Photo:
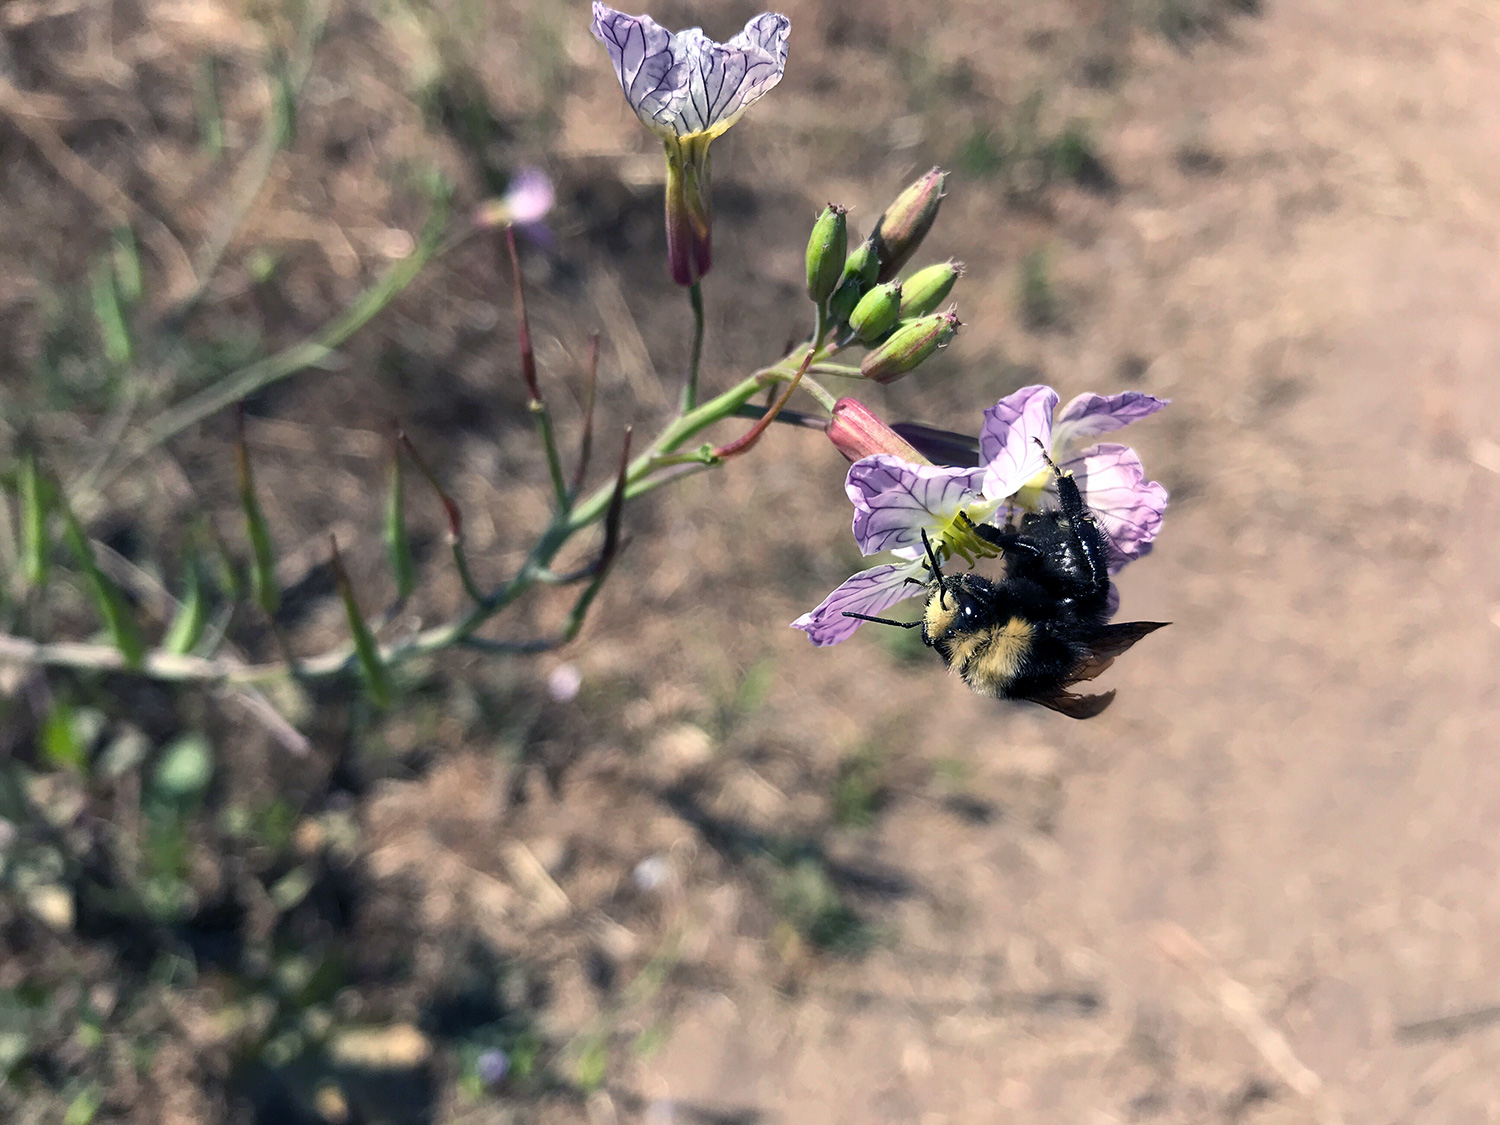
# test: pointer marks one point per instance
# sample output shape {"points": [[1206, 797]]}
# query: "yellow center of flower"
{"points": [[958, 537]]}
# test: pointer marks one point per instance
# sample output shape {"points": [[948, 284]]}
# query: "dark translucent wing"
{"points": [[1075, 706], [1109, 642]]}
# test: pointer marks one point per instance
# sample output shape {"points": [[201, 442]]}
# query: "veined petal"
{"points": [[734, 76], [894, 500], [652, 75], [869, 591], [1090, 415], [1008, 442], [686, 83], [1128, 506]]}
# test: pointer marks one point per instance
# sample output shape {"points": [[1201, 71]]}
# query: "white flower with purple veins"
{"points": [[1110, 476], [687, 89], [896, 501]]}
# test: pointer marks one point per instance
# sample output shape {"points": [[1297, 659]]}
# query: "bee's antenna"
{"points": [[884, 620], [937, 570]]}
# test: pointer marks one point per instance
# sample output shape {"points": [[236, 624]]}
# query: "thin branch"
{"points": [[586, 442], [537, 406]]}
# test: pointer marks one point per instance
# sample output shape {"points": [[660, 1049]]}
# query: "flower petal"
{"points": [[1115, 488], [646, 62], [1089, 415], [686, 83], [742, 70], [1008, 442], [869, 591], [895, 500], [530, 196]]}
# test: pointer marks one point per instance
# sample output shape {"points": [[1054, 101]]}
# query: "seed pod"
{"points": [[924, 290], [906, 222], [877, 312], [827, 249], [858, 276], [908, 346], [856, 432]]}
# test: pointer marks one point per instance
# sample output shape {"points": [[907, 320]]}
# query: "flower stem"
{"points": [[690, 392]]}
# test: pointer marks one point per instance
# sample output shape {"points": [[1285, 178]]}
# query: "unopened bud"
{"points": [[876, 313], [826, 251], [924, 290], [908, 346], [906, 222], [858, 276], [856, 433]]}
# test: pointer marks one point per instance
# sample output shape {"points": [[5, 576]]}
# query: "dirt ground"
{"points": [[752, 881]]}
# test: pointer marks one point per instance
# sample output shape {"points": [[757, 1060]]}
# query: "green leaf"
{"points": [[36, 502], [127, 265], [107, 597], [185, 768], [187, 625], [366, 650], [61, 741], [84, 1106], [210, 108], [397, 541], [111, 318], [263, 586]]}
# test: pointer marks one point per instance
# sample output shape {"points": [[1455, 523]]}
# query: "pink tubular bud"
{"points": [[857, 433]]}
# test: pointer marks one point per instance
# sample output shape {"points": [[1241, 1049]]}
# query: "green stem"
{"points": [[690, 392], [543, 420]]}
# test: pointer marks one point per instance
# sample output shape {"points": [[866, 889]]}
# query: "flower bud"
{"points": [[826, 251], [924, 290], [908, 346], [876, 313], [906, 222], [859, 274], [856, 433]]}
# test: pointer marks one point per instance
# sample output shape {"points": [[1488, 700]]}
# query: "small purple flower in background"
{"points": [[524, 205], [687, 89], [492, 1067], [896, 501], [564, 683]]}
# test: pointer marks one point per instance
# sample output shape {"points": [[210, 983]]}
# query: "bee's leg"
{"points": [[1090, 547], [1009, 540], [935, 567]]}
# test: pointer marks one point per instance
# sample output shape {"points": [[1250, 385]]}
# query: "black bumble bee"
{"points": [[1041, 628]]}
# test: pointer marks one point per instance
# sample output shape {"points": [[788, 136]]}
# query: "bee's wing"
{"points": [[1075, 706], [1109, 642]]}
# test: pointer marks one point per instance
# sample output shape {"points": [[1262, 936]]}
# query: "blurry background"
{"points": [[737, 879]]}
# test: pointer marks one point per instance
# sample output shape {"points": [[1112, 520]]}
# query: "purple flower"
{"points": [[1110, 476], [896, 501], [492, 1067], [524, 205], [687, 89]]}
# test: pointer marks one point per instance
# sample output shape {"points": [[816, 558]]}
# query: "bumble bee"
{"points": [[1043, 627]]}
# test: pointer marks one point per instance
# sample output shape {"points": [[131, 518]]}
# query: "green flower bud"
{"points": [[906, 222], [826, 251], [908, 346], [924, 290], [858, 276], [876, 313]]}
